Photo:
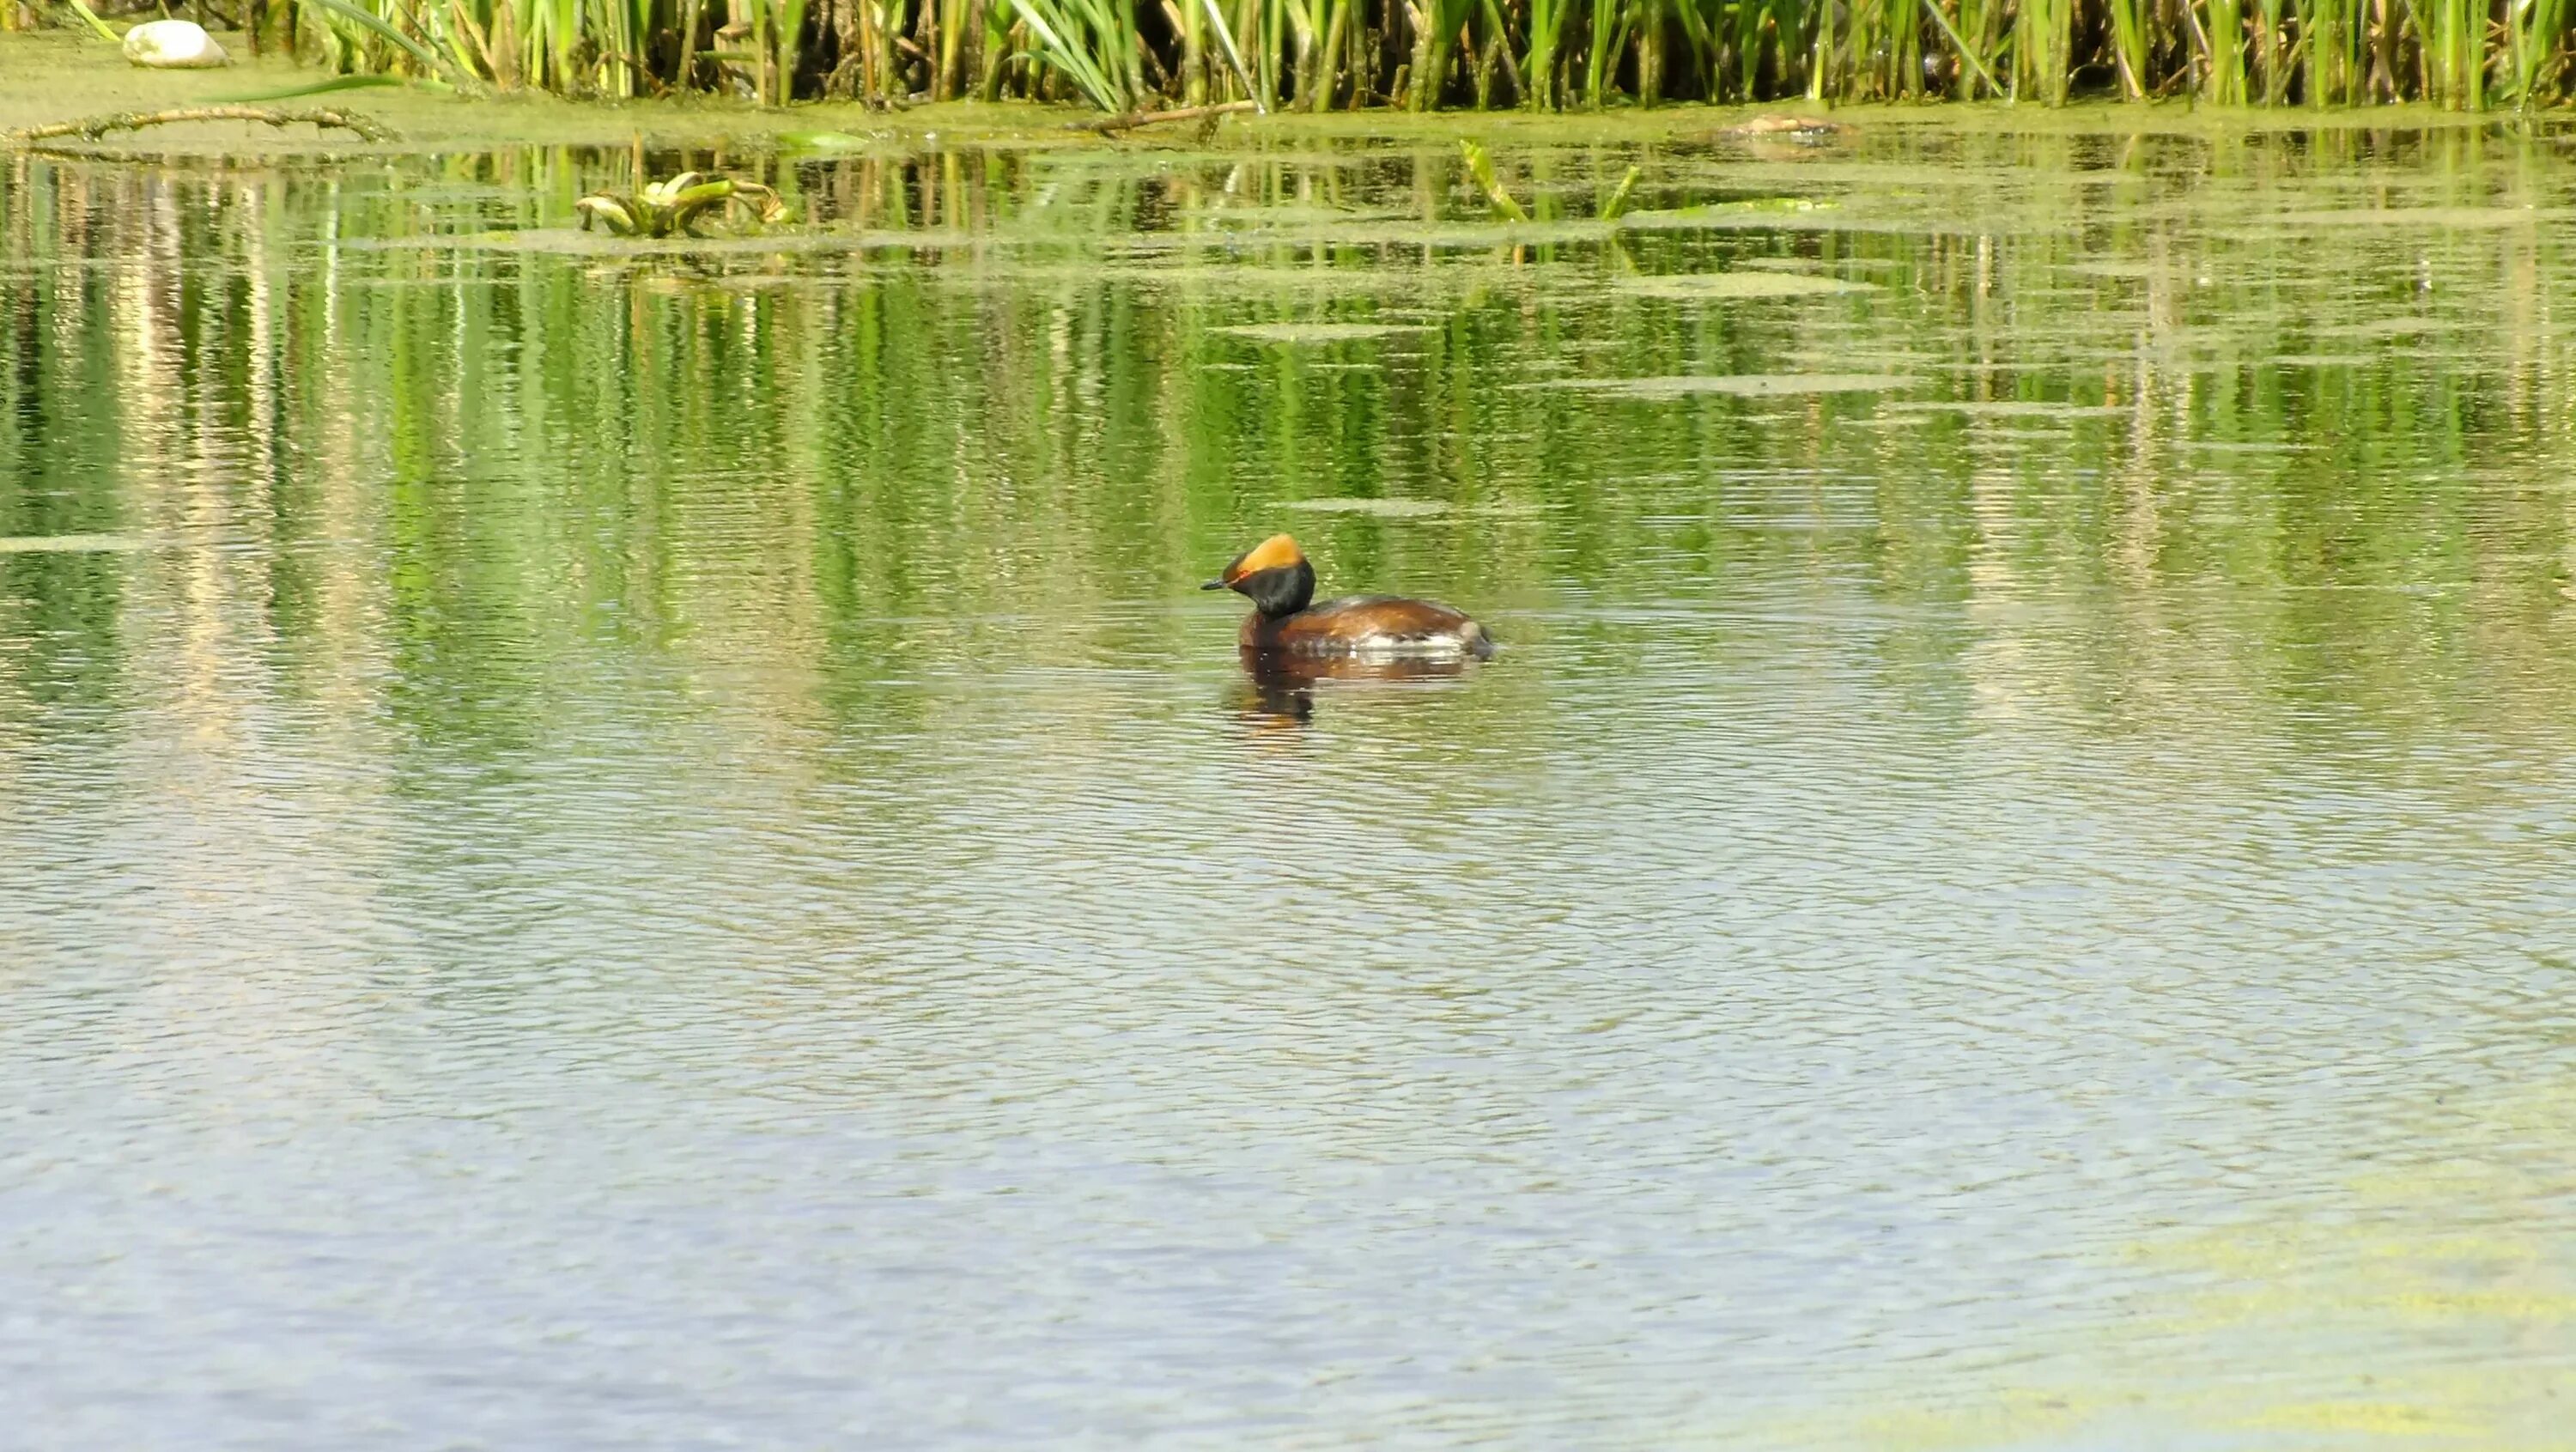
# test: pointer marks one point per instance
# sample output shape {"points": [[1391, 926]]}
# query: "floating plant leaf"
{"points": [[1382, 508], [1376, 232], [1757, 211], [1692, 286], [316, 88], [1746, 385], [2015, 408], [1320, 332], [1249, 217], [821, 141], [40, 544], [572, 242], [2445, 218]]}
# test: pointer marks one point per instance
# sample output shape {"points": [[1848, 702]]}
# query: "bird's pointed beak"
{"points": [[1213, 585]]}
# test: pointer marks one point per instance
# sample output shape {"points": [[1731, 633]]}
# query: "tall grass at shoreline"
{"points": [[1546, 55]]}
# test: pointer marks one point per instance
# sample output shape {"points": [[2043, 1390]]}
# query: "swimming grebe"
{"points": [[1275, 577]]}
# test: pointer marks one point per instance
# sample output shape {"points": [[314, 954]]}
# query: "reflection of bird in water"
{"points": [[1287, 630], [1812, 130], [1279, 690], [1786, 138]]}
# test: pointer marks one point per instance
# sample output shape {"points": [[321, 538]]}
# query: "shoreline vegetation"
{"points": [[1547, 57]]}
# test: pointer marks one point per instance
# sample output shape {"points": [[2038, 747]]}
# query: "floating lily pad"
{"points": [[45, 544], [1746, 385], [1294, 333], [1697, 286], [1382, 508]]}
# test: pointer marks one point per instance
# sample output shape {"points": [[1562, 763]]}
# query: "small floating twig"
{"points": [[97, 126], [1130, 120]]}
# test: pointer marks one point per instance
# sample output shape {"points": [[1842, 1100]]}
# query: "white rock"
{"points": [[173, 45]]}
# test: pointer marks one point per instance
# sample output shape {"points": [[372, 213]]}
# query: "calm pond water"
{"points": [[660, 851]]}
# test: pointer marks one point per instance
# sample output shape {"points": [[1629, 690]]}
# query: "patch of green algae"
{"points": [[2400, 1309]]}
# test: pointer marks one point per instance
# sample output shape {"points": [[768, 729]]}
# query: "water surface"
{"points": [[605, 848]]}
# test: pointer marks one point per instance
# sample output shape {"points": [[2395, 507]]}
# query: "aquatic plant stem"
{"points": [[94, 127], [96, 25], [1130, 120]]}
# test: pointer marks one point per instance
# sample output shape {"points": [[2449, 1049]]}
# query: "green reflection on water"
{"points": [[2175, 441]]}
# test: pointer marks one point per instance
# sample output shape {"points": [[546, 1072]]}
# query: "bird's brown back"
{"points": [[1363, 622]]}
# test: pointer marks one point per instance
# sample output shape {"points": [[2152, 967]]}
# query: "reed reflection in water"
{"points": [[610, 848]]}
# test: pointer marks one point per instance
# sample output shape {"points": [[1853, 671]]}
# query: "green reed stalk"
{"points": [[1233, 54], [2129, 47], [1079, 39], [1539, 54], [1820, 59], [2270, 42], [2225, 79], [790, 20], [2535, 32], [2455, 53], [1699, 19], [1194, 68], [1606, 38], [1435, 38], [951, 27], [1976, 39], [2325, 36], [1754, 21], [1260, 24], [1904, 26], [1326, 68], [1302, 23], [2043, 46], [1539, 63], [1652, 27]]}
